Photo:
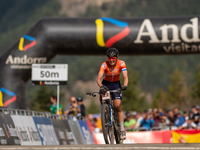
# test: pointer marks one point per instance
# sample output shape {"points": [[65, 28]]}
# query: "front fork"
{"points": [[111, 115]]}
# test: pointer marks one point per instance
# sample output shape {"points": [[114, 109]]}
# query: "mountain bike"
{"points": [[109, 120]]}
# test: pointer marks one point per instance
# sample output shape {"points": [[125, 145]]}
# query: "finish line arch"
{"points": [[91, 36]]}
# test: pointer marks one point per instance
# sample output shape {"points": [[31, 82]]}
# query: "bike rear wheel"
{"points": [[107, 128]]}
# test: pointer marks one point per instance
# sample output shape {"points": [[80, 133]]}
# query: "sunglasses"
{"points": [[112, 58]]}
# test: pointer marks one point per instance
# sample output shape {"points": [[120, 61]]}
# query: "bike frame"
{"points": [[111, 109]]}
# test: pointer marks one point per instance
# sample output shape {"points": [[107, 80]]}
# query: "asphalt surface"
{"points": [[185, 146]]}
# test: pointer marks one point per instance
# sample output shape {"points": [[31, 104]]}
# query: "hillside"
{"points": [[16, 17]]}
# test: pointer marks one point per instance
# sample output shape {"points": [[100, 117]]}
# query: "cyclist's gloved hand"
{"points": [[103, 89], [124, 88]]}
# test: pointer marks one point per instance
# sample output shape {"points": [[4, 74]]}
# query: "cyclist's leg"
{"points": [[117, 104]]}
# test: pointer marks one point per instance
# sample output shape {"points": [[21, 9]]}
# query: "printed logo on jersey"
{"points": [[113, 39], [9, 101], [23, 47], [122, 63], [104, 66]]}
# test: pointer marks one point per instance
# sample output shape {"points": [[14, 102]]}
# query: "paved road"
{"points": [[109, 147]]}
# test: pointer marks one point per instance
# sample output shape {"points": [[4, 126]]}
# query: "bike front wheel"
{"points": [[107, 128]]}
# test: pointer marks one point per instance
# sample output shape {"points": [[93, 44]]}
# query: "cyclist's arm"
{"points": [[99, 77], [125, 75]]}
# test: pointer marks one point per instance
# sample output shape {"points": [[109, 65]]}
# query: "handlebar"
{"points": [[95, 93]]}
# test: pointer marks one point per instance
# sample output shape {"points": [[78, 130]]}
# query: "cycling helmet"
{"points": [[112, 52], [79, 99]]}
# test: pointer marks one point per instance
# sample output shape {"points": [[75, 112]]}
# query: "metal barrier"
{"points": [[39, 114]]}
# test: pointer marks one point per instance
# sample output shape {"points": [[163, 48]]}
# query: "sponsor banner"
{"points": [[26, 129], [10, 130], [74, 125], [60, 132], [86, 132], [23, 62], [46, 131], [49, 82], [69, 133], [4, 133], [185, 136], [141, 137]]}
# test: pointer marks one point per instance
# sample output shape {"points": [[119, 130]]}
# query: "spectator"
{"points": [[198, 126], [194, 112], [185, 115], [129, 124], [189, 124], [171, 117], [72, 109], [147, 121], [96, 127], [82, 107], [176, 109], [164, 121], [98, 123], [53, 107], [180, 119], [138, 120], [156, 118], [196, 115]]}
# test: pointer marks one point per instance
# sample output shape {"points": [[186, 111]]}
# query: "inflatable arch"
{"points": [[91, 36]]}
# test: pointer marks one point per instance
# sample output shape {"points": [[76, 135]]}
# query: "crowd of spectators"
{"points": [[151, 119], [156, 119]]}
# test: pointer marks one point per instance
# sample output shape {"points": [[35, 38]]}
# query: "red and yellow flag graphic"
{"points": [[185, 136]]}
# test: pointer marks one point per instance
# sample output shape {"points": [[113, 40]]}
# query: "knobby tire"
{"points": [[108, 131]]}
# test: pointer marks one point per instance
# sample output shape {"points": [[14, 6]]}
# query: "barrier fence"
{"points": [[23, 127]]}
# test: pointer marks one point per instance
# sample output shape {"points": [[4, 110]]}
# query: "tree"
{"points": [[93, 108], [195, 88], [177, 94], [41, 100], [159, 100], [133, 97]]}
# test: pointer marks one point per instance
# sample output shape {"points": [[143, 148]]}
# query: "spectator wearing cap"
{"points": [[82, 107], [189, 124], [180, 119], [129, 124]]}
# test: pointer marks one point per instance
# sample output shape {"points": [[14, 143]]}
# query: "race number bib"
{"points": [[106, 95]]}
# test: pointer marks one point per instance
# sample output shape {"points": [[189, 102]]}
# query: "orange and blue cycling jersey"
{"points": [[112, 75]]}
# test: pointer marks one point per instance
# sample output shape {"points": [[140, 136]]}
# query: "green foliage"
{"points": [[19, 16], [159, 100], [93, 108], [177, 93], [41, 100], [133, 97], [16, 17], [195, 88]]}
